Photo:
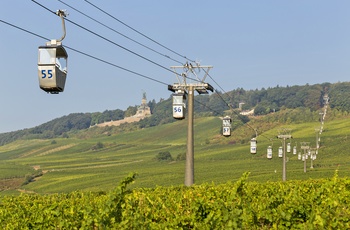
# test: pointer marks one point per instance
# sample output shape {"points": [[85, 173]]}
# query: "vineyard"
{"points": [[308, 204]]}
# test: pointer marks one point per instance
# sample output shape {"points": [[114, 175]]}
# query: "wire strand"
{"points": [[142, 34], [103, 61], [108, 40], [121, 34], [86, 54]]}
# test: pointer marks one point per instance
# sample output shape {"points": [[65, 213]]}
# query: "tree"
{"points": [[260, 110], [130, 111], [164, 156]]}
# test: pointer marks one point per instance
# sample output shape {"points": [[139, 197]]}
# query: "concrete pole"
{"points": [[284, 172], [189, 171], [304, 160]]}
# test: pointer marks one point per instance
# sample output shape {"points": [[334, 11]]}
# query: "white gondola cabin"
{"points": [[226, 126], [280, 152], [288, 147], [52, 63], [269, 152], [179, 105], [253, 145], [52, 67], [299, 156], [294, 150]]}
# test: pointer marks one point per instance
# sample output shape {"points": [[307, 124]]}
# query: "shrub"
{"points": [[99, 145], [164, 156]]}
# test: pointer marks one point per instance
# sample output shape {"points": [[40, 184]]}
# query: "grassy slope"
{"points": [[72, 165]]}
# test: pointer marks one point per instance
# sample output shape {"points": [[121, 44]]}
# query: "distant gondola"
{"points": [[226, 126]]}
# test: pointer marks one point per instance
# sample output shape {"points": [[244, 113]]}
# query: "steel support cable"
{"points": [[237, 114], [231, 108], [96, 58], [86, 54], [108, 40], [121, 34], [116, 44], [213, 110], [99, 59], [138, 31]]}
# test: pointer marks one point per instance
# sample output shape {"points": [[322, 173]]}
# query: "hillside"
{"points": [[95, 159], [264, 101]]}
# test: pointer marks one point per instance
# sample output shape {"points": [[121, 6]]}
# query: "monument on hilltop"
{"points": [[143, 110]]}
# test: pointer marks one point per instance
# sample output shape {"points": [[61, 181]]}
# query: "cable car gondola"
{"points": [[288, 147], [179, 105], [52, 67], [226, 126], [52, 63], [280, 152], [294, 150], [269, 152], [253, 147]]}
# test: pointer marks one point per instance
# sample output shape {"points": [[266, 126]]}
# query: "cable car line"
{"points": [[213, 110], [101, 60], [235, 112], [231, 108], [109, 63], [27, 31], [215, 82], [121, 34], [138, 31], [98, 59], [110, 41], [86, 54]]}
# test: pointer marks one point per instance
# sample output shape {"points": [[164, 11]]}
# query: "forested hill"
{"points": [[263, 101]]}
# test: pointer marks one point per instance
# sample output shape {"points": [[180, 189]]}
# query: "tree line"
{"points": [[264, 101]]}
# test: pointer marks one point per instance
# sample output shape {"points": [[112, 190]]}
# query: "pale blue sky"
{"points": [[251, 44]]}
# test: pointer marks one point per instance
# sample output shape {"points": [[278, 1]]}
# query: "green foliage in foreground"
{"points": [[310, 204]]}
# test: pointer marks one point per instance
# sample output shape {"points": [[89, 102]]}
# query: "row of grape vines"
{"points": [[309, 204]]}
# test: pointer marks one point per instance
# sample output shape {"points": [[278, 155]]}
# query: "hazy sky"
{"points": [[251, 44]]}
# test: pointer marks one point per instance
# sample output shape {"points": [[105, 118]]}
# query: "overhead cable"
{"points": [[121, 34], [142, 34], [86, 54], [108, 40]]}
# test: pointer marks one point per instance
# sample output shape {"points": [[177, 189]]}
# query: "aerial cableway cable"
{"points": [[142, 34], [108, 40], [231, 107], [141, 43], [121, 34], [114, 43], [99, 59], [86, 54]]}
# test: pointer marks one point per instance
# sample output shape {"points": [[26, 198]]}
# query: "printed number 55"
{"points": [[49, 72]]}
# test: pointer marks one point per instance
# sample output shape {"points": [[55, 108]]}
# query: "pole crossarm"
{"points": [[191, 69]]}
